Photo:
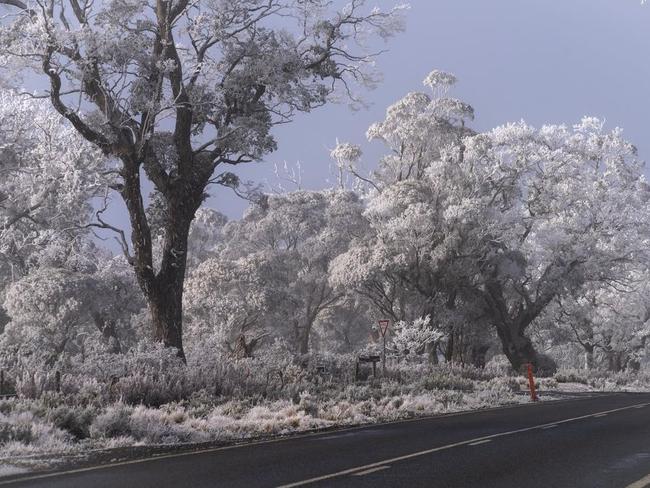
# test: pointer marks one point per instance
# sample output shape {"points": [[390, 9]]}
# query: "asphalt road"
{"points": [[602, 441]]}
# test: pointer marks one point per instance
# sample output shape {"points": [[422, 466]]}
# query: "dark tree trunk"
{"points": [[589, 356], [449, 349], [614, 361], [163, 290], [477, 355], [517, 347], [304, 342], [305, 335], [166, 295], [432, 352], [166, 309], [511, 323]]}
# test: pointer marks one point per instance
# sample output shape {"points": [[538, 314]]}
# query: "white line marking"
{"points": [[600, 415], [480, 442], [368, 471], [443, 448], [642, 483], [552, 426]]}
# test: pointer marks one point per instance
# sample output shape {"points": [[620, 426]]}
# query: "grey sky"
{"points": [[544, 61]]}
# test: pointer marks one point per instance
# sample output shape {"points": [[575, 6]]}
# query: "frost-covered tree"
{"points": [[56, 310], [418, 127], [414, 131], [399, 265], [48, 175], [389, 262], [289, 241], [227, 302], [541, 213], [177, 90], [611, 325], [205, 235], [504, 221], [403, 266], [411, 338]]}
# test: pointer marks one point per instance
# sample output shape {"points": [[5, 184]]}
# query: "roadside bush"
{"points": [[75, 420], [16, 428], [571, 376], [446, 380], [24, 433], [113, 422]]}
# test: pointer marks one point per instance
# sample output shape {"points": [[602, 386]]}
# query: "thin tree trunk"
{"points": [[305, 335], [589, 357]]}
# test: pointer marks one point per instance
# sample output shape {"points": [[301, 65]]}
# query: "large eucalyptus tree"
{"points": [[174, 90]]}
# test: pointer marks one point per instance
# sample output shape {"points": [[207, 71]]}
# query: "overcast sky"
{"points": [[544, 61]]}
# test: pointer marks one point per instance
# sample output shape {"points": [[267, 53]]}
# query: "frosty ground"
{"points": [[87, 421]]}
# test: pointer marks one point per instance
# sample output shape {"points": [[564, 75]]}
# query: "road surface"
{"points": [[601, 441]]}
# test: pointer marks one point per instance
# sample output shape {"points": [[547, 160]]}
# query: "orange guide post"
{"points": [[531, 383]]}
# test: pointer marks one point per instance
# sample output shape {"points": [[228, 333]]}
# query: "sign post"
{"points": [[383, 328]]}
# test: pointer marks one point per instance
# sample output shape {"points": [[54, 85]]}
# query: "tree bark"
{"points": [[449, 348], [166, 308], [589, 357], [511, 323], [614, 361], [517, 347], [304, 342], [163, 290]]}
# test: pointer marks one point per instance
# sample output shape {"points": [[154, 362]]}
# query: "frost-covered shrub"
{"points": [[571, 376], [605, 380], [410, 338], [149, 374], [15, 428], [23, 432], [34, 384], [499, 365], [445, 380], [309, 404], [497, 394], [165, 425], [547, 383], [75, 420], [149, 389], [113, 422], [504, 384]]}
